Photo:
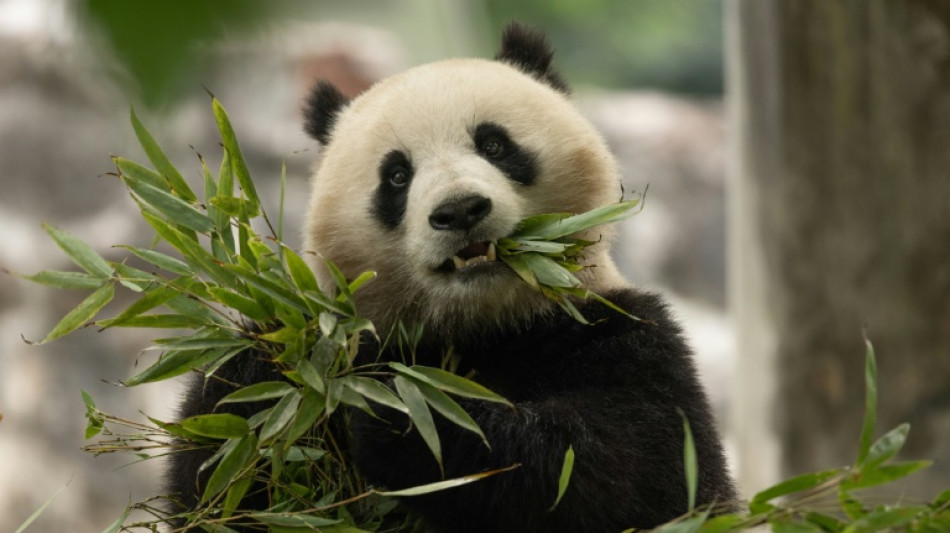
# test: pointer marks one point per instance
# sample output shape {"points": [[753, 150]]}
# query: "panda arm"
{"points": [[611, 391], [613, 458]]}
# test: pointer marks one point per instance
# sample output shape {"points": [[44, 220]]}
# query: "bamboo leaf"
{"points": [[211, 188], [321, 300], [870, 402], [217, 425], [327, 322], [66, 280], [851, 507], [242, 455], [550, 227], [689, 525], [530, 227], [886, 447], [588, 294], [296, 454], [172, 207], [83, 313], [420, 415], [174, 428], [150, 299], [191, 251], [300, 272], [94, 417], [338, 278], [134, 279], [449, 382], [443, 485], [886, 519], [174, 363], [225, 189], [235, 494], [184, 304], [281, 415], [549, 272], [140, 173], [823, 521], [785, 524], [160, 321], [238, 163], [560, 296], [350, 397], [360, 281], [81, 253], [870, 477], [266, 390], [312, 407], [541, 247], [218, 362], [722, 524], [566, 469], [225, 176], [36, 514], [690, 466], [235, 207], [116, 526], [303, 522], [451, 410], [375, 391], [519, 263], [160, 260], [190, 342], [796, 484], [275, 290], [161, 162], [246, 306], [310, 376], [355, 325]]}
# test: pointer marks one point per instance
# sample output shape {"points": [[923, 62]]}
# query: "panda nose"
{"points": [[461, 214]]}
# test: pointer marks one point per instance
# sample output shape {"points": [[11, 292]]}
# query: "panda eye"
{"points": [[399, 177], [493, 148]]}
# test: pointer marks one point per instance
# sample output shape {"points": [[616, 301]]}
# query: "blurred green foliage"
{"points": [[673, 45], [156, 42]]}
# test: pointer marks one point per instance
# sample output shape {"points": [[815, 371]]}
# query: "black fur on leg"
{"points": [[321, 109], [528, 51]]}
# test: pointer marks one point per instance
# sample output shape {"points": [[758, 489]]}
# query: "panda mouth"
{"points": [[474, 254]]}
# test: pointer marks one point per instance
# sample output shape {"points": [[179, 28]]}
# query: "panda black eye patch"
{"points": [[494, 144], [389, 201]]}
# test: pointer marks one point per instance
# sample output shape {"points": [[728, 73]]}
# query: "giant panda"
{"points": [[419, 176]]}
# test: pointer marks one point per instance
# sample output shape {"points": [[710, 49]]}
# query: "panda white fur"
{"points": [[419, 175]]}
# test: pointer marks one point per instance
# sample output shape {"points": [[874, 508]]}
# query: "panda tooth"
{"points": [[476, 260], [491, 252], [459, 262]]}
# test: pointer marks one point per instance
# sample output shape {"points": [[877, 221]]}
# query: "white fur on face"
{"points": [[430, 113]]}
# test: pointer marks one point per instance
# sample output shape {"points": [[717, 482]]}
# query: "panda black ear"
{"points": [[528, 50], [321, 109]]}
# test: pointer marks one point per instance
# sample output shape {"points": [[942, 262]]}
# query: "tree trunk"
{"points": [[841, 223]]}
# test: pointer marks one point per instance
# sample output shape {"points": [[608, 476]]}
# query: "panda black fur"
{"points": [[419, 174]]}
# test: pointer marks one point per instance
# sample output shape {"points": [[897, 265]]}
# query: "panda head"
{"points": [[421, 174]]}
